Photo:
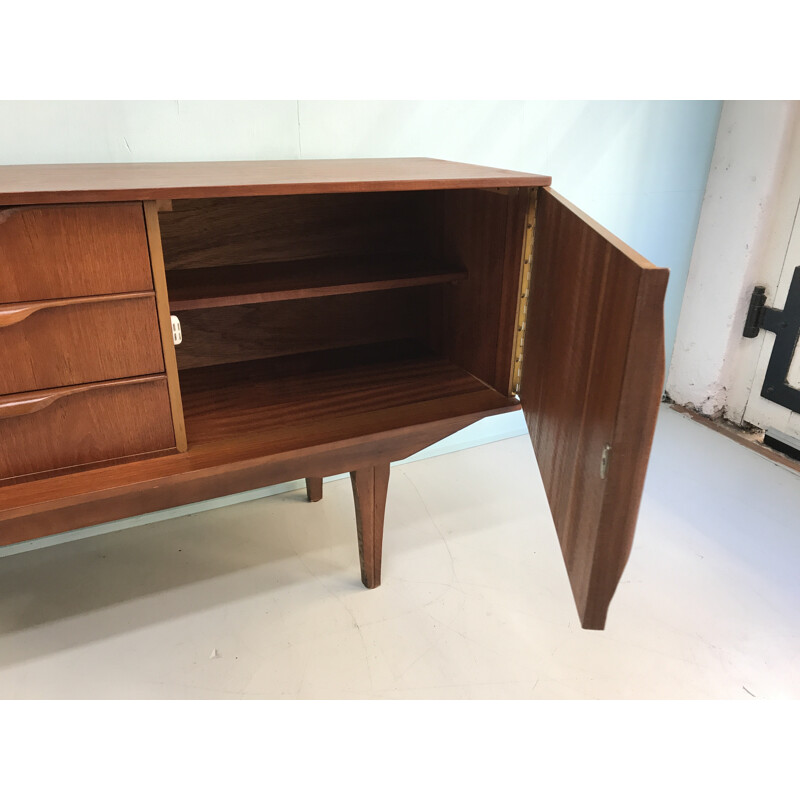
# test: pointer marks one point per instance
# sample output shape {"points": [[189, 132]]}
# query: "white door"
{"points": [[774, 417]]}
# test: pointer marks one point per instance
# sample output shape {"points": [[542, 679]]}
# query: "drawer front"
{"points": [[79, 340], [50, 430], [72, 251]]}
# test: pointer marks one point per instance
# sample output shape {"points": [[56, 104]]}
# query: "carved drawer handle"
{"points": [[19, 405], [13, 313]]}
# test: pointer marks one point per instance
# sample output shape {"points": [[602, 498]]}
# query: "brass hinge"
{"points": [[524, 290]]}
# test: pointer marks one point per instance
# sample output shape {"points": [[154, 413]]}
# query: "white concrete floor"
{"points": [[262, 599]]}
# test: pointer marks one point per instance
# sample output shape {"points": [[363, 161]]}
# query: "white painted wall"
{"points": [[744, 226], [638, 167]]}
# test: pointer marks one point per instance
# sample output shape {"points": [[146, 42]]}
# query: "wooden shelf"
{"points": [[297, 401], [262, 412], [213, 287]]}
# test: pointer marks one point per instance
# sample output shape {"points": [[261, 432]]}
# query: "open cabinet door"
{"points": [[591, 383]]}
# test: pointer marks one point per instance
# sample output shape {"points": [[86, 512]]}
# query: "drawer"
{"points": [[77, 425], [72, 251], [78, 340]]}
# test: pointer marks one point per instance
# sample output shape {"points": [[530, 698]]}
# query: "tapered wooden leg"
{"points": [[369, 492], [314, 489]]}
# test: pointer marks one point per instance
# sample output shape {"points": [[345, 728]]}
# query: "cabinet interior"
{"points": [[305, 313]]}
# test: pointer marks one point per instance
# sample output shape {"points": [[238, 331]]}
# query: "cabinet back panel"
{"points": [[248, 230], [243, 333]]}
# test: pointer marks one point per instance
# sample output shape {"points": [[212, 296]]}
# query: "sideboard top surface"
{"points": [[65, 183]]}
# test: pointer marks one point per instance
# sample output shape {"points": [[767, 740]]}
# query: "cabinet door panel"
{"points": [[592, 378]]}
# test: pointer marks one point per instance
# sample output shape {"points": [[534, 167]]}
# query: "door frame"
{"points": [[758, 410], [745, 224]]}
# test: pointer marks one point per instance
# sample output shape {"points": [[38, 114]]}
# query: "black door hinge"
{"points": [[785, 324]]}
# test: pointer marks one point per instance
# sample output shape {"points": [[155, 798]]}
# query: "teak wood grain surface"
{"points": [[280, 404], [337, 316], [591, 385], [213, 287], [58, 183], [260, 230], [314, 489], [370, 485], [250, 418], [78, 340], [250, 332], [52, 252], [165, 322], [480, 230], [115, 492], [59, 428]]}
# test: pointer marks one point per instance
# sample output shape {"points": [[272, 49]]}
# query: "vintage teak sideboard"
{"points": [[335, 316]]}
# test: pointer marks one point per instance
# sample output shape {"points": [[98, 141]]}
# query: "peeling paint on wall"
{"points": [[733, 236]]}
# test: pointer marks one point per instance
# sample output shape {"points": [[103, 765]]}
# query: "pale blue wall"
{"points": [[638, 167]]}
